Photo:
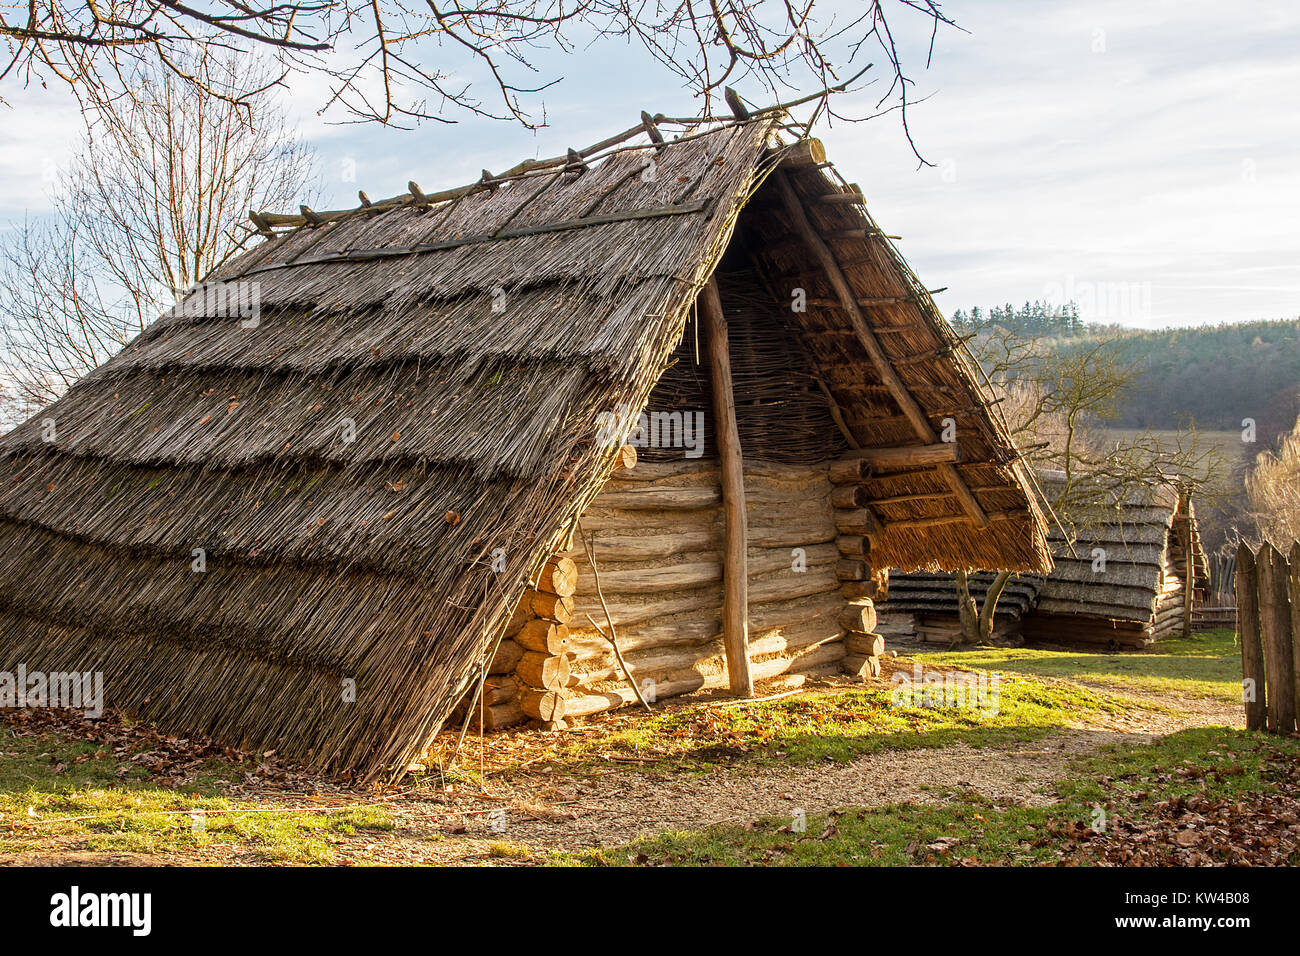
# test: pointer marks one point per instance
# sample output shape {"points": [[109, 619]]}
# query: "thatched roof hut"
{"points": [[299, 511], [1118, 581], [1122, 581]]}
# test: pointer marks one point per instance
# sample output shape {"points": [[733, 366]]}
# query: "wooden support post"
{"points": [[1189, 570], [849, 302], [735, 577], [1275, 627], [1246, 584]]}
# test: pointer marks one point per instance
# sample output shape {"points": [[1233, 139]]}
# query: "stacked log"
{"points": [[1171, 614], [945, 629], [1072, 629], [862, 645], [895, 625], [532, 656], [500, 704], [544, 671], [860, 584], [657, 541]]}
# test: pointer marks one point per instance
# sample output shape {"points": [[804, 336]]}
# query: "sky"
{"points": [[1140, 158]]}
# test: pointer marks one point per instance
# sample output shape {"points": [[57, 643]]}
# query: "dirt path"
{"points": [[573, 814], [544, 812]]}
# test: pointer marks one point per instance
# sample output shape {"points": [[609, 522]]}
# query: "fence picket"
{"points": [[1252, 655], [1275, 627]]}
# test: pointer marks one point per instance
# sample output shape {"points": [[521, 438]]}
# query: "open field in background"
{"points": [[834, 773], [1227, 445]]}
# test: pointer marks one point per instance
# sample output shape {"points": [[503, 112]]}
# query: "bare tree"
{"points": [[154, 200], [1057, 401], [1273, 489], [394, 61]]}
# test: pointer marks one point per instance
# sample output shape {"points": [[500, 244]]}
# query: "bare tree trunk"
{"points": [[977, 621], [966, 610], [991, 598], [156, 198]]}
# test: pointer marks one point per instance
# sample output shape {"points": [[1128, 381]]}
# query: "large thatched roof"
{"points": [[372, 466]]}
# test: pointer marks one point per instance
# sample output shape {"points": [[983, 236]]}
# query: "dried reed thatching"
{"points": [[333, 563], [1142, 540]]}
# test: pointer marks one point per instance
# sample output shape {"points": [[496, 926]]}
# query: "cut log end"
{"points": [[544, 637], [559, 576], [860, 666]]}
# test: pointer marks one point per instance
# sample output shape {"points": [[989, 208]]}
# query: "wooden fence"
{"points": [[1219, 605], [1268, 624]]}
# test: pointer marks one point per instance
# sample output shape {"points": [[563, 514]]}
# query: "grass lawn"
{"points": [[1208, 664], [841, 724], [1130, 784], [60, 795], [72, 790]]}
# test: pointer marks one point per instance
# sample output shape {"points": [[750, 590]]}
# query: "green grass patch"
{"points": [[57, 794], [1124, 781], [510, 851], [1207, 665], [844, 724]]}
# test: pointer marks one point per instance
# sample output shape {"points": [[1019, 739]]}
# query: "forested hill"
{"points": [[1214, 376], [1217, 376]]}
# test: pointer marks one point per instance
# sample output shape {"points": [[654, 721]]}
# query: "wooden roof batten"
{"points": [[572, 161], [888, 375]]}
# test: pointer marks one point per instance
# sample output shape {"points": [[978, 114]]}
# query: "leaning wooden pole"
{"points": [[1246, 584], [1275, 627], [850, 303], [735, 574]]}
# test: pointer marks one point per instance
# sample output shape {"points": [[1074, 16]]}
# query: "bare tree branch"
{"points": [[153, 201], [388, 60]]}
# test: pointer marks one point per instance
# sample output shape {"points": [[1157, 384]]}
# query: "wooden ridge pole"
{"points": [[849, 302], [1252, 654], [735, 573]]}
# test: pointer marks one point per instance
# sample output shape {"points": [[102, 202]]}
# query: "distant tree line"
{"points": [[1217, 376], [1032, 318]]}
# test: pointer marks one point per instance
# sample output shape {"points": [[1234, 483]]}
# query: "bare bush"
{"points": [[1273, 489]]}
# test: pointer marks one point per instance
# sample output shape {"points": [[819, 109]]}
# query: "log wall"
{"points": [[656, 534]]}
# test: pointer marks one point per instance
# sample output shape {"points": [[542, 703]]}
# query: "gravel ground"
{"points": [[548, 811]]}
